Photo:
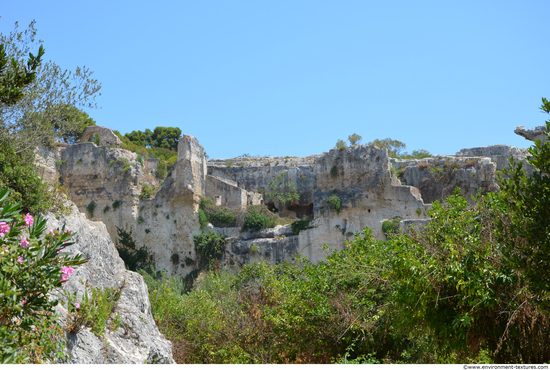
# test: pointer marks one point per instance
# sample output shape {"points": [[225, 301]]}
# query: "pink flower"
{"points": [[66, 272], [24, 243], [61, 250], [4, 228], [52, 231], [77, 305], [20, 259], [28, 220], [23, 303]]}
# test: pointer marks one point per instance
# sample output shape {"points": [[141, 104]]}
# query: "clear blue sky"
{"points": [[292, 77]]}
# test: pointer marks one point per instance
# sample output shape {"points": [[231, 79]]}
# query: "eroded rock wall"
{"points": [[138, 339]]}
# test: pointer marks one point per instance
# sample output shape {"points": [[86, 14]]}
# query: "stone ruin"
{"points": [[106, 136], [372, 187]]}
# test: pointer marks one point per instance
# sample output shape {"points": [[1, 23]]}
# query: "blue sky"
{"points": [[293, 77]]}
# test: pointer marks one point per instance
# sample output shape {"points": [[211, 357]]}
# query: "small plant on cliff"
{"points": [[112, 162], [253, 248], [175, 258], [341, 145], [282, 189], [334, 202], [334, 172], [140, 220], [300, 225], [106, 209], [391, 226], [94, 311], [419, 211], [354, 139], [117, 204], [126, 168], [203, 219], [90, 208], [134, 258], [32, 265], [140, 159], [209, 247], [258, 217], [79, 161], [146, 191]]}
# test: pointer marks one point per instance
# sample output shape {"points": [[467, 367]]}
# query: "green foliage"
{"points": [[140, 220], [175, 258], [396, 149], [116, 204], [354, 139], [112, 162], [419, 211], [79, 161], [258, 217], [134, 258], [334, 202], [147, 191], [95, 310], [71, 123], [391, 226], [528, 203], [29, 330], [106, 209], [36, 99], [18, 173], [300, 225], [217, 215], [90, 208], [334, 172], [161, 169], [341, 145], [203, 219], [254, 248], [209, 247], [282, 189], [140, 159]]}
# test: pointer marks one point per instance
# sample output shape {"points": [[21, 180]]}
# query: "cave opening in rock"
{"points": [[302, 211], [271, 207]]}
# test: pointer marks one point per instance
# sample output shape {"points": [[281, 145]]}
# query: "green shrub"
{"points": [[29, 273], [175, 258], [161, 169], [140, 159], [334, 172], [188, 261], [341, 144], [419, 211], [282, 189], [209, 247], [334, 202], [203, 219], [147, 231], [18, 173], [106, 209], [254, 248], [134, 258], [354, 139], [79, 161], [112, 162], [126, 168], [140, 220], [300, 225], [206, 202], [116, 204], [391, 226], [95, 311], [258, 217], [90, 208], [146, 191]]}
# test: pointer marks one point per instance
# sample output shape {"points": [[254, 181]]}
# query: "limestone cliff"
{"points": [[138, 339]]}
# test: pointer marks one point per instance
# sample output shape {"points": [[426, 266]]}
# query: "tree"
{"points": [[14, 77], [71, 123], [282, 189], [354, 139], [166, 137], [396, 149], [26, 121], [340, 144], [528, 200]]}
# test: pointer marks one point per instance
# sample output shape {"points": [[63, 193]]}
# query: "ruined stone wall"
{"points": [[226, 193]]}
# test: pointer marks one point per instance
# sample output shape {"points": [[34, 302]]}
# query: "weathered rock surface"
{"points": [[106, 136], [539, 133], [138, 339]]}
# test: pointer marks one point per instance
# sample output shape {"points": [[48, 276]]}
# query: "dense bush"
{"points": [[147, 191], [209, 247], [300, 225], [258, 217], [334, 202], [216, 215], [18, 173], [134, 258], [32, 264]]}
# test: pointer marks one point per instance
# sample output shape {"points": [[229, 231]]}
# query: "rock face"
{"points": [[106, 136], [106, 184], [539, 133], [137, 340]]}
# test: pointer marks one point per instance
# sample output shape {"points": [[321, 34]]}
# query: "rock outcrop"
{"points": [[539, 133], [106, 136], [138, 339]]}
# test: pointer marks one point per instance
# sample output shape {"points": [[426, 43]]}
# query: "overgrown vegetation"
{"points": [[334, 202], [209, 247], [147, 191], [300, 225], [134, 258], [390, 227], [397, 149], [282, 189], [258, 217]]}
